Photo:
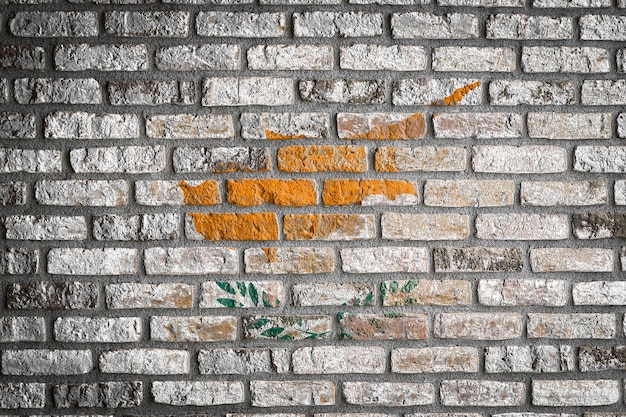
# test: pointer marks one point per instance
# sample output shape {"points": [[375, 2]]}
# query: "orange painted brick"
{"points": [[369, 192], [322, 159], [383, 326], [380, 126], [329, 227], [232, 226], [204, 194], [272, 191]]}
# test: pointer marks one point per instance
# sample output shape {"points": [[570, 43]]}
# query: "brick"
{"points": [[82, 193], [478, 259], [18, 261], [50, 295], [22, 329], [57, 90], [291, 393], [17, 125], [210, 57], [104, 261], [229, 361], [534, 93], [322, 159], [46, 362], [599, 293], [231, 226], [22, 57], [569, 125], [342, 192], [597, 358], [469, 193], [434, 360], [572, 393], [54, 24], [571, 260], [482, 3], [251, 192], [519, 26], [473, 59], [329, 227], [22, 395], [603, 92], [384, 259], [99, 394], [333, 294], [342, 90], [330, 24], [401, 226], [608, 159], [478, 326], [522, 226], [565, 59], [477, 125], [460, 415], [378, 57], [147, 24], [286, 328], [602, 27], [192, 329], [45, 228], [297, 260], [135, 295], [176, 193], [381, 126], [563, 193], [530, 159], [339, 360], [240, 24], [246, 294], [571, 3], [145, 361], [420, 159], [599, 225], [620, 57], [197, 393], [142, 227], [522, 292], [284, 126], [482, 393], [13, 193], [390, 326], [82, 125], [290, 57], [126, 159], [529, 359], [426, 292], [82, 57], [437, 92], [151, 93], [190, 126], [433, 26], [388, 394], [97, 329], [246, 91], [621, 125], [190, 261], [571, 326], [33, 161], [4, 93]]}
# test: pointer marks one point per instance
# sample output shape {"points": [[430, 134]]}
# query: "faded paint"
{"points": [[347, 192], [322, 159], [413, 127], [294, 193], [328, 226], [271, 135], [236, 226], [456, 97], [205, 194]]}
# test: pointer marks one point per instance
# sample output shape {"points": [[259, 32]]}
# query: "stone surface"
{"points": [[523, 291], [82, 193], [377, 57], [473, 59], [13, 193], [565, 59], [529, 359], [246, 294], [298, 260], [599, 225], [603, 92], [98, 329], [285, 126], [384, 259], [438, 92], [22, 57], [197, 393], [119, 159], [54, 24], [246, 91], [569, 125], [571, 326], [421, 159], [388, 394], [30, 160], [340, 90], [563, 193], [400, 226], [22, 329], [190, 261], [534, 93], [141, 227], [106, 261], [571, 260], [469, 193], [474, 393], [209, 57], [18, 261], [113, 57], [133, 295], [291, 393], [190, 126], [426, 292], [477, 125], [415, 25], [230, 361], [339, 360], [390, 326], [98, 394], [46, 362], [602, 27], [434, 360], [518, 26], [329, 227], [240, 24], [145, 361], [83, 125], [287, 327], [478, 259], [595, 358], [151, 93], [608, 159], [522, 226], [329, 24], [478, 326], [17, 125], [571, 393], [193, 329], [508, 159], [290, 57], [333, 294], [57, 90], [22, 395], [599, 293], [45, 228], [147, 24], [381, 126], [50, 295]]}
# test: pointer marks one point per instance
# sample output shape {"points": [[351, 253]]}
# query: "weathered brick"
{"points": [[197, 393], [291, 393], [322, 159], [530, 159], [571, 3], [608, 159], [97, 329], [240, 24], [478, 259], [22, 329], [290, 57], [99, 394], [4, 93], [465, 415], [13, 193], [534, 93], [297, 260], [563, 193], [330, 24], [434, 26], [46, 362], [164, 23], [603, 92], [473, 59], [390, 326], [599, 293], [210, 57], [436, 92], [342, 192], [419, 159], [17, 125], [572, 393], [45, 228], [469, 193], [565, 59], [135, 295], [231, 226], [57, 90], [378, 57], [230, 361], [404, 226], [388, 394], [522, 226], [33, 161], [145, 361], [333, 294], [82, 57], [571, 260], [621, 125], [284, 126], [384, 259], [22, 395], [82, 193], [381, 126], [18, 261], [54, 24], [342, 90], [193, 329], [339, 360], [571, 326], [142, 227], [482, 3], [246, 91], [126, 159], [597, 358], [569, 125], [82, 125], [426, 292], [477, 125], [620, 57], [602, 27], [151, 93], [478, 326], [175, 193], [329, 227], [100, 261], [522, 291], [246, 294], [190, 261], [531, 359], [519, 26], [22, 57], [190, 126], [255, 192], [599, 225], [434, 359], [287, 327], [50, 295], [482, 393]]}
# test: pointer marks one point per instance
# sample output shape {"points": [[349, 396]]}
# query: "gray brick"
{"points": [[571, 326], [547, 125], [198, 57], [142, 227], [291, 393], [13, 193], [290, 57], [603, 92], [384, 259], [565, 59], [45, 228], [136, 295], [572, 393], [571, 3], [197, 393], [522, 226], [598, 358], [330, 24], [620, 192], [50, 295], [339, 360], [518, 26], [599, 293], [81, 57], [333, 294], [145, 361], [230, 361], [609, 159], [478, 326], [57, 90], [482, 3], [127, 159], [151, 93], [21, 57], [519, 159], [105, 261], [190, 126], [246, 91], [22, 329], [54, 24], [342, 91], [388, 394], [478, 259], [441, 91], [221, 160], [46, 362], [434, 26], [22, 395], [524, 291], [473, 59], [82, 125], [240, 24], [191, 261], [143, 24], [529, 359], [620, 57], [602, 27], [17, 125], [621, 125], [534, 93], [563, 193], [30, 160], [193, 329], [97, 329], [18, 261], [482, 393], [477, 125], [82, 193], [379, 57], [287, 125], [99, 394], [4, 92]]}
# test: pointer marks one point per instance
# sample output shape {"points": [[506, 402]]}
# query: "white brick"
{"points": [[522, 226], [30, 160], [191, 261], [534, 93], [126, 159], [518, 26], [519, 159], [605, 293], [145, 361], [602, 27], [83, 125], [379, 57], [434, 26], [565, 59], [329, 24], [384, 259], [45, 228], [82, 193], [197, 393], [240, 24], [83, 57], [339, 360], [290, 57], [105, 261], [466, 58], [572, 393], [231, 91], [571, 260]]}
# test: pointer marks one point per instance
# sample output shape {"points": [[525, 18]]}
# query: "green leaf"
{"points": [[266, 300], [254, 295], [258, 324], [299, 321], [226, 287], [242, 288], [393, 286], [312, 335], [346, 336], [383, 289], [228, 302], [410, 284], [368, 299], [340, 315], [286, 337], [273, 331]]}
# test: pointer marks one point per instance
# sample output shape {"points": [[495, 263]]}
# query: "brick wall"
{"points": [[315, 208]]}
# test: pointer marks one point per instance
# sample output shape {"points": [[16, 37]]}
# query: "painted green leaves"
{"points": [[242, 294], [287, 327], [426, 292]]}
